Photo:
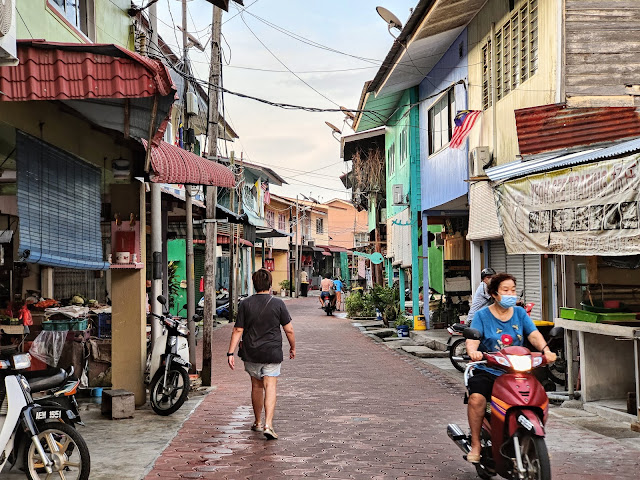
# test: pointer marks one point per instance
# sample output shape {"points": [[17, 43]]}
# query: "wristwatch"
{"points": [[230, 354]]}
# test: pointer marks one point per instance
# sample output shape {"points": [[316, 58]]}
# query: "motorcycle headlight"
{"points": [[21, 361], [183, 329], [520, 363]]}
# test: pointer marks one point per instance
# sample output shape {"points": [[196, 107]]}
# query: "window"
{"points": [[515, 53], [76, 12], [441, 116], [282, 222], [404, 145], [270, 217], [391, 159], [319, 225]]}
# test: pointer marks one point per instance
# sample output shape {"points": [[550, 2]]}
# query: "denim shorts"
{"points": [[259, 370]]}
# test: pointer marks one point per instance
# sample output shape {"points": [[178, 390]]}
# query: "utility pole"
{"points": [[289, 259], [191, 294], [156, 216], [297, 276], [210, 258], [232, 236]]}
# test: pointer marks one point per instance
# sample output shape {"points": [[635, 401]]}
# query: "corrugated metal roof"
{"points": [[64, 71], [521, 168], [554, 127]]}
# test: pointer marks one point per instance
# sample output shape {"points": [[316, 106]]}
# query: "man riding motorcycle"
{"points": [[327, 290], [501, 324]]}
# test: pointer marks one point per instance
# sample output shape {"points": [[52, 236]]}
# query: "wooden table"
{"points": [[609, 360]]}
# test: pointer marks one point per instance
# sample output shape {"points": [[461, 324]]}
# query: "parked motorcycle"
{"points": [[513, 433], [169, 365], [56, 387], [37, 438]]}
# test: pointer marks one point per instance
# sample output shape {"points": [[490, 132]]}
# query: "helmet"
{"points": [[487, 272]]}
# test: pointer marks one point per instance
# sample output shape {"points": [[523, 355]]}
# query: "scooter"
{"points": [[513, 433], [56, 387], [169, 365], [35, 438], [329, 304]]}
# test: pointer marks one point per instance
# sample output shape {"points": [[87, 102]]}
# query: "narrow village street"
{"points": [[351, 408]]}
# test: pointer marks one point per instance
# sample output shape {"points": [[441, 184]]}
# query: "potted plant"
{"points": [[403, 324], [284, 287]]}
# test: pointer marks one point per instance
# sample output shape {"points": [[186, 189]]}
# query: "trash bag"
{"points": [[25, 316], [47, 347]]}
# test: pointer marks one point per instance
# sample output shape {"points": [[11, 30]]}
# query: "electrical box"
{"points": [[398, 195], [192, 103], [479, 158]]}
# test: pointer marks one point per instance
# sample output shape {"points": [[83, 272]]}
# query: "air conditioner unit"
{"points": [[311, 243], [398, 195], [479, 158], [192, 103], [383, 215], [8, 49]]}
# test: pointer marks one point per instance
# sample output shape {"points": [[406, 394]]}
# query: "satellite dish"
{"points": [[334, 128], [390, 18], [348, 113]]}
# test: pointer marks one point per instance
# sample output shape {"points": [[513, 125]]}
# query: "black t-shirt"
{"points": [[261, 316]]}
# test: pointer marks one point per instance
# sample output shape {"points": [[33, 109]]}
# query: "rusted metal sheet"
{"points": [[555, 127]]}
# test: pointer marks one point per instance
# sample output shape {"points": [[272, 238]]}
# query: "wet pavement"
{"points": [[349, 407]]}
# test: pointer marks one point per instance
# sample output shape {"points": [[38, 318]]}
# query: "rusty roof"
{"points": [[555, 127]]}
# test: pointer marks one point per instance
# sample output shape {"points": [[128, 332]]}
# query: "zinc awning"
{"points": [[172, 164], [271, 233], [483, 214]]}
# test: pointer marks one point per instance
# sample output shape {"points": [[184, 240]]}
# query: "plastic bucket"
{"points": [[402, 331]]}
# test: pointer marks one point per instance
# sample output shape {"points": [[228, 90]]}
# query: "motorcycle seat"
{"points": [[459, 327], [46, 379]]}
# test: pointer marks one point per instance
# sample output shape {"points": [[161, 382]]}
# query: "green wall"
{"points": [[38, 20], [177, 252], [436, 263]]}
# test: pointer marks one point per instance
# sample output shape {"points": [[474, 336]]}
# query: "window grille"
{"points": [[486, 75], [282, 222], [319, 225], [441, 121]]}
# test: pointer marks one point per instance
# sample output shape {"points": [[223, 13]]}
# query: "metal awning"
{"points": [[364, 141], [172, 164], [334, 249], [312, 249], [483, 214], [522, 168], [271, 233]]}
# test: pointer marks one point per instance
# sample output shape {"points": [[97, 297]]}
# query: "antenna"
{"points": [[390, 18], [336, 130], [193, 41], [348, 113]]}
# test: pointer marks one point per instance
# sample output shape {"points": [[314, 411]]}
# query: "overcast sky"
{"points": [[296, 144]]}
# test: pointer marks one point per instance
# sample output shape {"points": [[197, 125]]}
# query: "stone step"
{"points": [[434, 339], [424, 352], [382, 332], [395, 342]]}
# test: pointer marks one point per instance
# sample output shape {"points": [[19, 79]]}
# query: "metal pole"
{"points": [[210, 258], [232, 246], [156, 218], [297, 276], [290, 266], [191, 294]]}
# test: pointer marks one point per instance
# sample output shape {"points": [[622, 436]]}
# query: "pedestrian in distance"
{"points": [[259, 338], [481, 298], [337, 283]]}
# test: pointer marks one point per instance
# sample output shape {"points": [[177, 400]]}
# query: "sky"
{"points": [[296, 144]]}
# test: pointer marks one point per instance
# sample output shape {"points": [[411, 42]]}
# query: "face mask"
{"points": [[507, 301]]}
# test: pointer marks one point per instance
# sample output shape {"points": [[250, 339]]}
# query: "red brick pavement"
{"points": [[351, 408]]}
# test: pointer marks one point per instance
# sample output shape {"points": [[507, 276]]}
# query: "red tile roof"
{"points": [[555, 127], [66, 71], [172, 164]]}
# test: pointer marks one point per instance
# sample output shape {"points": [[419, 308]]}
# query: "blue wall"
{"points": [[442, 174]]}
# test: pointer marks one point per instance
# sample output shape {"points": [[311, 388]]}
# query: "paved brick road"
{"points": [[351, 408]]}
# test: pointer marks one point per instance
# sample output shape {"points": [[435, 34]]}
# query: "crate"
{"points": [[593, 317], [104, 325], [79, 324]]}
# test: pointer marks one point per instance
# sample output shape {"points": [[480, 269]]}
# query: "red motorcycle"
{"points": [[513, 433]]}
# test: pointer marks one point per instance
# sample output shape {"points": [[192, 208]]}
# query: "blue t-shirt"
{"points": [[497, 334], [338, 285]]}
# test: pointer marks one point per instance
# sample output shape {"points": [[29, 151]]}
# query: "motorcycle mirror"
{"points": [[162, 300], [556, 332], [472, 334]]}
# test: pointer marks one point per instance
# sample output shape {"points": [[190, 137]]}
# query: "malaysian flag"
{"points": [[465, 120], [266, 194]]}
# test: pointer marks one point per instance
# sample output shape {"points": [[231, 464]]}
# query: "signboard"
{"points": [[582, 210]]}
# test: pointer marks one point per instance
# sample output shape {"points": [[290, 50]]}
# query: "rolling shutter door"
{"points": [[526, 269], [59, 207]]}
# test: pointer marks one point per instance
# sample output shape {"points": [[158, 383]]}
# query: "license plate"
{"points": [[50, 414]]}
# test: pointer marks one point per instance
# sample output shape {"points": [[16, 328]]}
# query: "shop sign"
{"points": [[582, 210]]}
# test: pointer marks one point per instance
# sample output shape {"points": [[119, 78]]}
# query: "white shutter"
{"points": [[497, 256], [533, 284]]}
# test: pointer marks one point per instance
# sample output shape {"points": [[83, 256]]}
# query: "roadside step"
{"points": [[424, 352]]}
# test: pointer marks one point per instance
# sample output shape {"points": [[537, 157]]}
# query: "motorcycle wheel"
{"points": [[482, 472], [178, 386], [458, 349], [558, 370], [65, 447], [535, 458]]}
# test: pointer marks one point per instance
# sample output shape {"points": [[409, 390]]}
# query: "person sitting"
{"points": [[501, 324], [481, 297], [326, 290]]}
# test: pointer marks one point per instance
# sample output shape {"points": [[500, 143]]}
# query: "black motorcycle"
{"points": [[329, 304], [56, 387]]}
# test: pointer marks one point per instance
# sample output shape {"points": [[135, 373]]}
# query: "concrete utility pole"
{"points": [[156, 216], [191, 293], [210, 258], [297, 276]]}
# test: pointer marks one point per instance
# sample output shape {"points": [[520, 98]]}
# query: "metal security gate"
{"points": [[526, 268]]}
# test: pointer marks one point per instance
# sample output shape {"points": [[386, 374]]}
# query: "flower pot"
{"points": [[402, 330], [283, 293]]}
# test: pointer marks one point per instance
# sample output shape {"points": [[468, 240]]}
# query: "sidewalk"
{"points": [[351, 408]]}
